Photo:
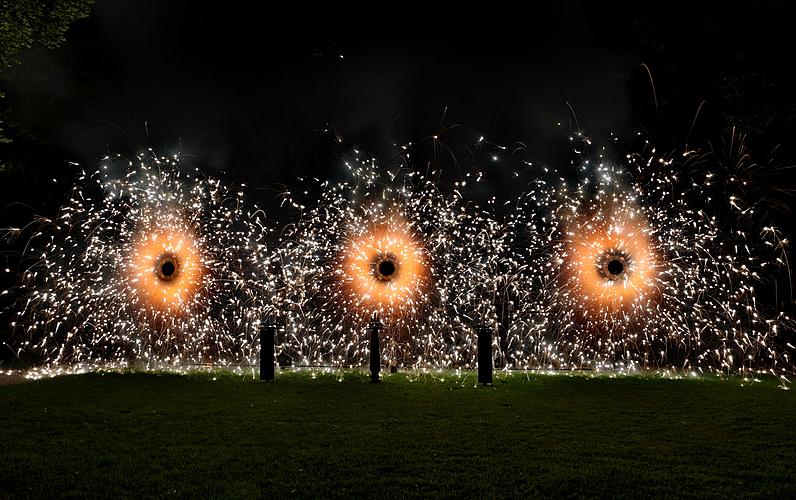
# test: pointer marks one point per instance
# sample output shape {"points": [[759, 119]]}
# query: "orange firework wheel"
{"points": [[166, 268], [385, 270], [611, 264]]}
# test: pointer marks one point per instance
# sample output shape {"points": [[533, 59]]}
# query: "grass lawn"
{"points": [[145, 434]]}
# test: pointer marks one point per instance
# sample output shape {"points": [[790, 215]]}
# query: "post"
{"points": [[484, 354], [375, 327], [267, 334]]}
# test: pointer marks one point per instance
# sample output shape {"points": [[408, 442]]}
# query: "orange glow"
{"points": [[385, 268], [166, 268], [611, 262]]}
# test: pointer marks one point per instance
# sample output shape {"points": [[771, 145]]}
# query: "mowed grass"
{"points": [[133, 435]]}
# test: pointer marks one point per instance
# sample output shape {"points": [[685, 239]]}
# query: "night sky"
{"points": [[249, 92]]}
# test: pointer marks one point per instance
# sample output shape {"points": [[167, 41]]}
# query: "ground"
{"points": [[112, 435]]}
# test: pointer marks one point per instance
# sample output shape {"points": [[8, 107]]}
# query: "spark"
{"points": [[600, 265], [387, 242], [148, 264], [624, 269]]}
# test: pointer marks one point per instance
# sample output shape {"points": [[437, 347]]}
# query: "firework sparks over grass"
{"points": [[388, 243], [148, 263], [600, 265], [634, 270]]}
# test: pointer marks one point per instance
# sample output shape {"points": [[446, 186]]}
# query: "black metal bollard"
{"points": [[267, 334], [484, 354], [375, 327]]}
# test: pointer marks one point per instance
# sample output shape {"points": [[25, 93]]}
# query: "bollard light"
{"points": [[375, 327], [267, 334], [484, 334]]}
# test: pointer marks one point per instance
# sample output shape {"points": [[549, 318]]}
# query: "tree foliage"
{"points": [[25, 23]]}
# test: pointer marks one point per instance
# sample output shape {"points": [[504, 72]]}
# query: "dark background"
{"points": [[250, 91], [266, 92]]}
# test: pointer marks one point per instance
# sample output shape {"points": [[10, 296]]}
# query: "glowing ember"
{"points": [[156, 267], [629, 271], [167, 268], [388, 243], [384, 269], [612, 263], [618, 266]]}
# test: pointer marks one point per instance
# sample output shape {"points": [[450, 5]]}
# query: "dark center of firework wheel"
{"points": [[386, 268], [616, 267], [166, 267]]}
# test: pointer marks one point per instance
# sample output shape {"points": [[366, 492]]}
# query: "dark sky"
{"points": [[247, 90]]}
